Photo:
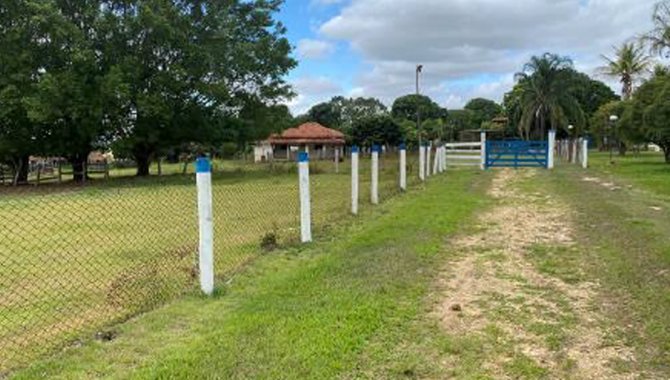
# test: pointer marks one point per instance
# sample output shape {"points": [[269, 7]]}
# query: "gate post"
{"points": [[483, 149], [551, 149]]}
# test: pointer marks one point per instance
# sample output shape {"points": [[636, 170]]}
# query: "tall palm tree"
{"points": [[546, 97], [659, 38], [629, 63]]}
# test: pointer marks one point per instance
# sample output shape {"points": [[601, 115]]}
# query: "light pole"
{"points": [[419, 68], [610, 129]]}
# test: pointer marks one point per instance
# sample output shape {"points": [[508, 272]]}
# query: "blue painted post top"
{"points": [[402, 146], [303, 157], [354, 149], [376, 148], [203, 165]]}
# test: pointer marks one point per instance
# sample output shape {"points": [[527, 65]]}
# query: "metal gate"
{"points": [[516, 154]]}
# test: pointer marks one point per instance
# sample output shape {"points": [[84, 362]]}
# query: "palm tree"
{"points": [[629, 63], [659, 38], [545, 96]]}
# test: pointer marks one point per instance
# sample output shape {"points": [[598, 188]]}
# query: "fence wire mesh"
{"points": [[76, 259]]}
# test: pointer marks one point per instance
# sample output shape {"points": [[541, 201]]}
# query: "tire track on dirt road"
{"points": [[494, 286]]}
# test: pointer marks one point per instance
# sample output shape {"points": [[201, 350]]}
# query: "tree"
{"points": [[483, 110], [658, 38], [327, 114], [629, 63], [545, 96], [460, 120], [377, 129], [341, 113], [650, 111], [24, 56], [619, 134], [408, 107], [196, 57]]}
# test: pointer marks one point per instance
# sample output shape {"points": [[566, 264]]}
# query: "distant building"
{"points": [[320, 142]]}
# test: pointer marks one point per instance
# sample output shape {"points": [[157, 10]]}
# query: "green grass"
{"points": [[75, 259], [308, 312], [646, 169], [623, 245]]}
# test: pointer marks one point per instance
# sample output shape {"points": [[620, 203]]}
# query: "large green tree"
{"points": [[483, 110], [195, 57], [413, 108], [649, 112], [546, 100], [376, 129], [342, 113]]}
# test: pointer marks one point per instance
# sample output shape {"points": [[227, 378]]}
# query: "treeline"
{"points": [[144, 78]]}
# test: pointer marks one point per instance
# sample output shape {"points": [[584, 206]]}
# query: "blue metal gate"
{"points": [[517, 153]]}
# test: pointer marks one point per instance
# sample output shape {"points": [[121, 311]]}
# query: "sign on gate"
{"points": [[516, 153]]}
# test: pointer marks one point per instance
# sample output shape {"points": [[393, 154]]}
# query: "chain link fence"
{"points": [[75, 260]]}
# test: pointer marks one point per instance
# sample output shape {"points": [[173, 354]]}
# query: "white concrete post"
{"points": [[574, 151], [422, 162], [203, 169], [374, 186], [428, 154], [585, 153], [551, 146], [443, 160], [403, 167], [337, 160], [482, 138], [436, 160], [305, 204], [354, 180]]}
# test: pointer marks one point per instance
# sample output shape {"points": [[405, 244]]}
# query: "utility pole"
{"points": [[418, 111]]}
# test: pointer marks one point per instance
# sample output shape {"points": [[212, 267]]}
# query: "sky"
{"points": [[469, 48]]}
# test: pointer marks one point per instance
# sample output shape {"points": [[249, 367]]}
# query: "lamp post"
{"points": [[419, 68], [610, 129]]}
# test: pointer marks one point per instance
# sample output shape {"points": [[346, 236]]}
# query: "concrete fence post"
{"points": [[305, 202], [573, 160], [422, 162], [403, 167], [337, 160], [585, 153], [551, 149], [436, 160], [203, 169], [429, 150], [354, 180], [374, 186], [482, 138]]}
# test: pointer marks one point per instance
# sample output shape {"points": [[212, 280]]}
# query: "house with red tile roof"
{"points": [[320, 142]]}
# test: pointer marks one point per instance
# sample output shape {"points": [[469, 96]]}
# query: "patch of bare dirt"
{"points": [[494, 284]]}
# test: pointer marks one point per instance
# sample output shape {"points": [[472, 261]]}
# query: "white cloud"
{"points": [[472, 47], [312, 90], [314, 49]]}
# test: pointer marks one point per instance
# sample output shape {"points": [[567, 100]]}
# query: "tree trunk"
{"points": [[21, 170], [143, 163], [622, 149], [78, 162]]}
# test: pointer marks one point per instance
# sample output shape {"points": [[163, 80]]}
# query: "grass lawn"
{"points": [[307, 312], [647, 170], [75, 259]]}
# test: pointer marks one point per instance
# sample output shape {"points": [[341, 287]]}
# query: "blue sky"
{"points": [[469, 48]]}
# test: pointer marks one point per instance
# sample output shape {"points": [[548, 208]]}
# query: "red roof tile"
{"points": [[309, 132]]}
